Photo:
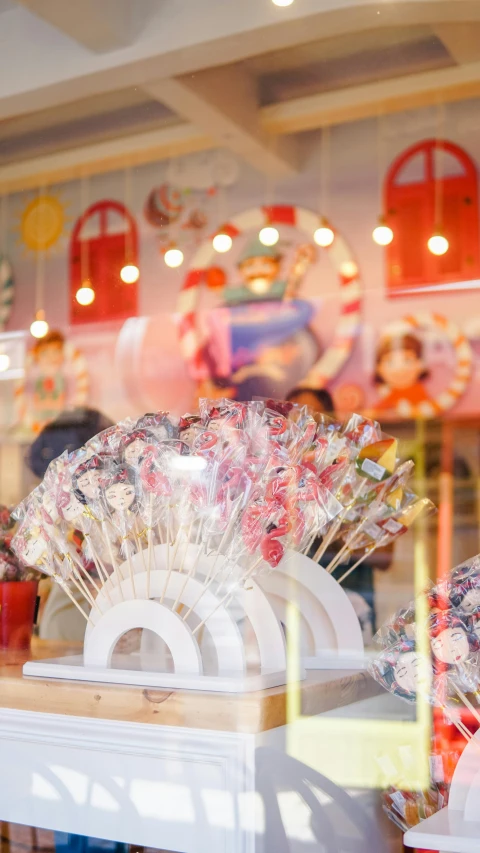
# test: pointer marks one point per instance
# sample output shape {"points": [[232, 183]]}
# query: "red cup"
{"points": [[17, 613]]}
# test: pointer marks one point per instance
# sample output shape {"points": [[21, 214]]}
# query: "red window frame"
{"points": [[411, 212]]}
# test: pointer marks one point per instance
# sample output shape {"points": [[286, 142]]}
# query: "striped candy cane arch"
{"points": [[6, 290], [341, 257], [463, 363]]}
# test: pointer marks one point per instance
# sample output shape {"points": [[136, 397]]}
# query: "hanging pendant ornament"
{"points": [[269, 236], [324, 235], [129, 274], [222, 241], [39, 327], [438, 243], [382, 234], [85, 294], [173, 256]]}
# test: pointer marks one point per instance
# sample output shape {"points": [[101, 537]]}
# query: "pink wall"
{"points": [[155, 374]]}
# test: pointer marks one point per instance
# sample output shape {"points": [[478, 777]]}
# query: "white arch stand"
{"points": [[194, 641], [456, 828]]}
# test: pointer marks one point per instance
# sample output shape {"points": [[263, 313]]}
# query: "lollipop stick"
{"points": [[130, 570], [114, 564], [82, 587], [338, 522], [355, 565], [225, 601], [337, 558], [466, 702], [150, 540], [169, 565], [74, 601]]}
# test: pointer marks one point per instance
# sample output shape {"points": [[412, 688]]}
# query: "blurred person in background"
{"points": [[59, 619], [360, 585]]}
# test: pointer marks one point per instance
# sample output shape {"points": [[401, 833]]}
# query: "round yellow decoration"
{"points": [[42, 223]]}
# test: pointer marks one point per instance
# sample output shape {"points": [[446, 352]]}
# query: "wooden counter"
{"points": [[249, 713]]}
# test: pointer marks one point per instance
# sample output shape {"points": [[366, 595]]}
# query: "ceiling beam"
{"points": [[99, 25], [222, 102], [108, 156], [360, 102], [183, 37], [461, 40]]}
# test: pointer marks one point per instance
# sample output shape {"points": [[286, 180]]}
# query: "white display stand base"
{"points": [[73, 668], [455, 829], [330, 633], [199, 645], [200, 638]]}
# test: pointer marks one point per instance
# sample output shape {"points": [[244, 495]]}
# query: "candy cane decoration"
{"points": [[463, 363], [6, 291], [333, 359]]}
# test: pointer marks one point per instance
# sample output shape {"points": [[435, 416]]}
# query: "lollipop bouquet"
{"points": [[166, 523], [448, 677]]}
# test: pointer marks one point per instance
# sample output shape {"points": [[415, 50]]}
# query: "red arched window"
{"points": [[430, 181], [103, 240]]}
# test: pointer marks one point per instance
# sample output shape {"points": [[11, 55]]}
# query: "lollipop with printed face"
{"points": [[159, 424], [464, 587], [402, 671], [133, 445], [455, 648], [86, 479]]}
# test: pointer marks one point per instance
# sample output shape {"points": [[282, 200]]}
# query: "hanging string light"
{"points": [[382, 234], [129, 273], [222, 242], [39, 326], [282, 2], [85, 294], [324, 235], [438, 243], [269, 235], [4, 362], [173, 256]]}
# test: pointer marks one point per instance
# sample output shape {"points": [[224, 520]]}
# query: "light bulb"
{"points": [[129, 273], [4, 362], [85, 294], [222, 242], [349, 269], [282, 2], [39, 327], [324, 235], [438, 244], [382, 234], [269, 236], [173, 257]]}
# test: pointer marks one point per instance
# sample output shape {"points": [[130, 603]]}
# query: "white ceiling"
{"points": [[186, 73]]}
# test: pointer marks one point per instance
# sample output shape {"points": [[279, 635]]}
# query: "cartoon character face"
{"points": [[35, 549], [88, 483], [120, 496], [134, 451], [73, 509], [471, 601], [406, 672], [48, 501], [260, 273], [50, 357], [451, 646], [400, 368]]}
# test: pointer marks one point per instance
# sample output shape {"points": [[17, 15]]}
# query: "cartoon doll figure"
{"points": [[260, 342], [133, 446], [69, 506], [454, 645], [119, 491], [49, 379], [32, 547], [86, 480], [400, 372], [400, 670]]}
